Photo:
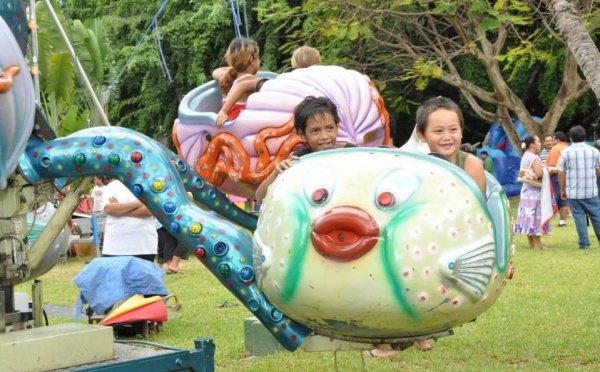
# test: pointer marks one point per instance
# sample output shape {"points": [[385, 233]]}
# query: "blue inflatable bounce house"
{"points": [[506, 159]]}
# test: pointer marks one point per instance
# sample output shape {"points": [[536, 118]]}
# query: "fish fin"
{"points": [[471, 268]]}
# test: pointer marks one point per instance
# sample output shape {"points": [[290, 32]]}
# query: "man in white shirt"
{"points": [[129, 229]]}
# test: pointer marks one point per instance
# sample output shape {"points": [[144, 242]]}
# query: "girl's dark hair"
{"points": [[310, 107], [435, 104], [240, 55], [529, 139]]}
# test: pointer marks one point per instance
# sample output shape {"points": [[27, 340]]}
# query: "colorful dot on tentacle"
{"points": [[137, 190], [114, 159], [220, 249], [246, 273], [99, 141], [224, 269], [170, 207], [136, 156], [45, 161], [66, 154], [181, 166], [253, 305], [200, 253], [158, 185], [195, 228], [276, 315], [174, 227]]}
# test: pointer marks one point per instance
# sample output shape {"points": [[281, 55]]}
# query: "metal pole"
{"points": [[84, 77], [34, 50]]}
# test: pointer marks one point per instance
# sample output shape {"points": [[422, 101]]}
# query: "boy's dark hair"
{"points": [[485, 153], [561, 136], [577, 133], [310, 107], [434, 104]]}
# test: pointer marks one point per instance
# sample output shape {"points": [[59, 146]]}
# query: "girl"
{"points": [[440, 124], [238, 80]]}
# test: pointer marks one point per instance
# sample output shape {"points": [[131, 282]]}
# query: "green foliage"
{"points": [[65, 106]]}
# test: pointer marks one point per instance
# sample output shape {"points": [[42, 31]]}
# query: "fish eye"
{"points": [[319, 185], [386, 199], [320, 196], [395, 189]]}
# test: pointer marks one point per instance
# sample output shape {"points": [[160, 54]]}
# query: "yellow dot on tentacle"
{"points": [[65, 154], [126, 148], [156, 199], [242, 259], [158, 185], [196, 228], [59, 167]]}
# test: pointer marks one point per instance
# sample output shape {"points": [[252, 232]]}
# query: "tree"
{"points": [[65, 103], [193, 40], [494, 53], [578, 40]]}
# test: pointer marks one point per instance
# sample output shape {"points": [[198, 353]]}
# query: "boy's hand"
{"points": [[284, 164]]}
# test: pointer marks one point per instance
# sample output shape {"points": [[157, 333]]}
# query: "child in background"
{"points": [[96, 194], [303, 57], [238, 80], [440, 123], [316, 121]]}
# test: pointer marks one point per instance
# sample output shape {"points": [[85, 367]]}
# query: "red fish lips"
{"points": [[344, 233]]}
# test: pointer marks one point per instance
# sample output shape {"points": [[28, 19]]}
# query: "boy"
{"points": [[316, 121]]}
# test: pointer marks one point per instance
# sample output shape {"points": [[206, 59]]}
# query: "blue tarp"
{"points": [[107, 280]]}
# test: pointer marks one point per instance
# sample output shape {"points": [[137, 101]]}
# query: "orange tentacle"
{"points": [[6, 78]]}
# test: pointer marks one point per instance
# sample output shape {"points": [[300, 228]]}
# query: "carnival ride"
{"points": [[368, 245]]}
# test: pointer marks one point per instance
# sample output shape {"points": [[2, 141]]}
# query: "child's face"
{"points": [[443, 133], [321, 132]]}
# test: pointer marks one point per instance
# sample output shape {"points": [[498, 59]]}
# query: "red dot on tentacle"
{"points": [[138, 166], [202, 239], [129, 174], [49, 147], [170, 193], [64, 142], [137, 143], [146, 175], [194, 189], [283, 326], [179, 217], [83, 144], [106, 168], [293, 337], [221, 231], [35, 154], [190, 176], [220, 209], [78, 169], [160, 214], [110, 145], [229, 283], [236, 247], [99, 156]]}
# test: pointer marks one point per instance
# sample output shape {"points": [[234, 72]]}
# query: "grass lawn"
{"points": [[546, 318]]}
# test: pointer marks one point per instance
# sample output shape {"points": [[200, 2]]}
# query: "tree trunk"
{"points": [[578, 40]]}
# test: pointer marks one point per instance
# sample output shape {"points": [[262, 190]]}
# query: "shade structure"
{"points": [[107, 280], [137, 308]]}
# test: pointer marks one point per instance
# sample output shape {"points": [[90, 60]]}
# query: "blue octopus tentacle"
{"points": [[146, 167], [210, 196]]}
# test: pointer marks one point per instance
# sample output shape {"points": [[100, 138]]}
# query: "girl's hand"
{"points": [[222, 117]]}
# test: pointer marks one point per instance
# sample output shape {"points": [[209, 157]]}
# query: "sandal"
{"points": [[172, 271]]}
